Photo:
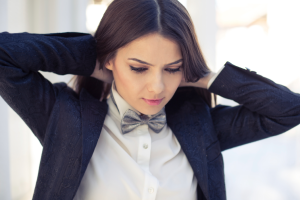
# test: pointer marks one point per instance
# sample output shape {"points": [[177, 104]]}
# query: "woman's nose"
{"points": [[156, 84]]}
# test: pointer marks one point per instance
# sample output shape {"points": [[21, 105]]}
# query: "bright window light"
{"points": [[94, 13]]}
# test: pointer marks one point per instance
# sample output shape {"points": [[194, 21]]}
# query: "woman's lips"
{"points": [[153, 102]]}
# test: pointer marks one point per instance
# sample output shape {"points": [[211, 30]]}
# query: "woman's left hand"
{"points": [[202, 82]]}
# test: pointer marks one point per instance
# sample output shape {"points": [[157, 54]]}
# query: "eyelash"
{"points": [[141, 70]]}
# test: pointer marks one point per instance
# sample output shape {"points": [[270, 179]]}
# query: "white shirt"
{"points": [[139, 165]]}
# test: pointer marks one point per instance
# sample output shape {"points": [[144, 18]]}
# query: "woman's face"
{"points": [[148, 68]]}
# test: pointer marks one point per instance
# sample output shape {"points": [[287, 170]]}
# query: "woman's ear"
{"points": [[109, 65]]}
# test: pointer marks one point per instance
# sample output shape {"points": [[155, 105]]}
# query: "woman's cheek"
{"points": [[174, 80], [131, 82]]}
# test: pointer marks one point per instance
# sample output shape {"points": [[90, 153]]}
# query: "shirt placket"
{"points": [[143, 159]]}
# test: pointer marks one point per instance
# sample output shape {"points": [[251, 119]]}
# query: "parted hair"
{"points": [[127, 20]]}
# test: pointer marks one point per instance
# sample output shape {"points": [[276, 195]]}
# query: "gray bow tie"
{"points": [[132, 120]]}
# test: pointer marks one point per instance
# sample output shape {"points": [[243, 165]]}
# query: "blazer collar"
{"points": [[182, 117]]}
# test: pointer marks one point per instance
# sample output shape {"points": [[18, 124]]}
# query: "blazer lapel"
{"points": [[184, 121], [93, 115]]}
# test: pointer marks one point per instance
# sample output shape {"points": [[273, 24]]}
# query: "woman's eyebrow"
{"points": [[143, 62]]}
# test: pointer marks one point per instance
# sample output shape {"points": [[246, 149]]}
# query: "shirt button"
{"points": [[151, 190], [145, 146]]}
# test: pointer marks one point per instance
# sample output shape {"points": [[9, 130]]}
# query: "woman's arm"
{"points": [[24, 89], [266, 108], [202, 83]]}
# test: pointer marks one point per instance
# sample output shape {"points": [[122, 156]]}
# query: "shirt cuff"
{"points": [[214, 77]]}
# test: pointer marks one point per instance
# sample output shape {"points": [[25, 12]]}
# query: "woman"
{"points": [[140, 123]]}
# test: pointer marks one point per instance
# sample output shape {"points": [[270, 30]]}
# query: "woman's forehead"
{"points": [[152, 48]]}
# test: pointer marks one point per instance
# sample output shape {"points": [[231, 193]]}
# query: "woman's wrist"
{"points": [[201, 83]]}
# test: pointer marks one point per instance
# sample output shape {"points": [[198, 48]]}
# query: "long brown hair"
{"points": [[127, 20]]}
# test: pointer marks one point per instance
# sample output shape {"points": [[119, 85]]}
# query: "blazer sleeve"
{"points": [[23, 88], [266, 108]]}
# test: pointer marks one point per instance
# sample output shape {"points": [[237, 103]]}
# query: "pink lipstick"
{"points": [[153, 102]]}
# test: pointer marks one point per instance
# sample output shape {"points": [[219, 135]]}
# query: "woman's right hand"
{"points": [[104, 74]]}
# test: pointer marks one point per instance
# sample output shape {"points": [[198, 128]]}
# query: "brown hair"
{"points": [[127, 20]]}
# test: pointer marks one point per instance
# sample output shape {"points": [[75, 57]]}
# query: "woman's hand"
{"points": [[104, 74], [202, 82]]}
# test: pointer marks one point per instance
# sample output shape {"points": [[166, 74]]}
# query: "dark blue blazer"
{"points": [[68, 125]]}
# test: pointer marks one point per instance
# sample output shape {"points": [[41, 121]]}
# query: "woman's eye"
{"points": [[142, 69], [173, 70], [138, 70]]}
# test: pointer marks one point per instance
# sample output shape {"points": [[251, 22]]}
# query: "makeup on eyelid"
{"points": [[142, 69]]}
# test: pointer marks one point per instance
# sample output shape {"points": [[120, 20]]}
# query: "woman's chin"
{"points": [[151, 110]]}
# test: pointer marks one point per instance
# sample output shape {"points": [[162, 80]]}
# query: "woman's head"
{"points": [[149, 67], [158, 32]]}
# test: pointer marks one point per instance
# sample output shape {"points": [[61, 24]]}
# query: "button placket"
{"points": [[151, 186], [144, 148]]}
